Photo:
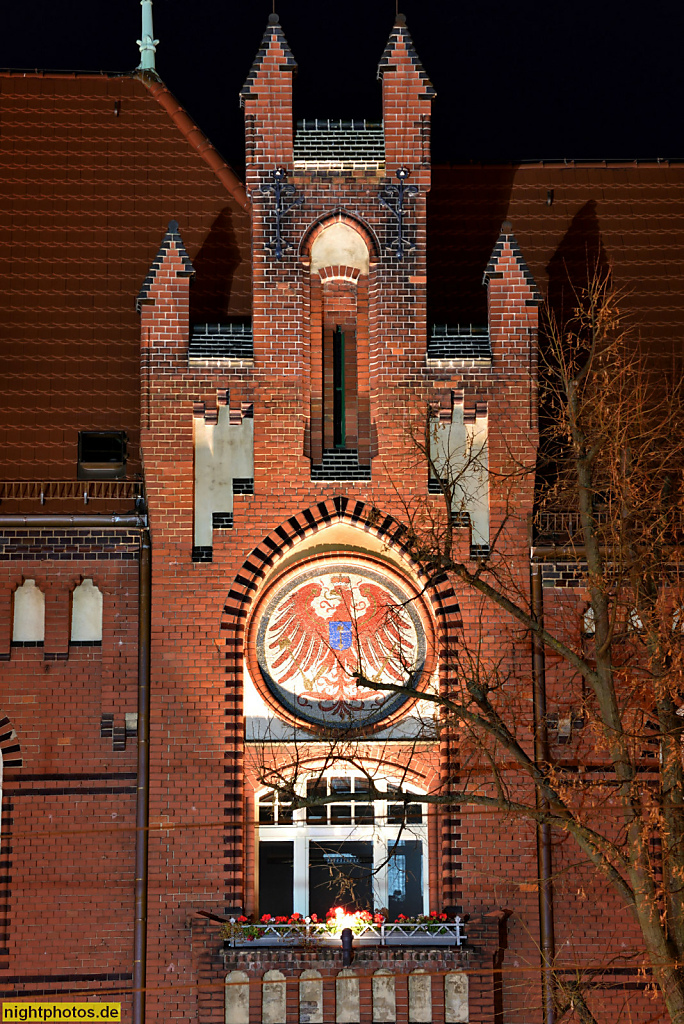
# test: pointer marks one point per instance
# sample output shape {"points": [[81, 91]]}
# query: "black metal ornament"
{"points": [[393, 196], [285, 199]]}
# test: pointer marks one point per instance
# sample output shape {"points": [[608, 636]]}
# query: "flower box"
{"points": [[404, 933]]}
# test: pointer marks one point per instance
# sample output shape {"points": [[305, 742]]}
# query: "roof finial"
{"points": [[147, 44]]}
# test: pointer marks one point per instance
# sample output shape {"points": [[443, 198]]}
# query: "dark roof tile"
{"points": [[85, 196]]}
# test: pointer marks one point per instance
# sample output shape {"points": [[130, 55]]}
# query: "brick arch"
{"points": [[339, 216], [359, 514], [256, 566], [10, 748], [339, 273]]}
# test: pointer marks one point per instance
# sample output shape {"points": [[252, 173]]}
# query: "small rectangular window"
{"points": [[266, 810], [276, 873], [102, 454], [315, 789], [340, 814]]}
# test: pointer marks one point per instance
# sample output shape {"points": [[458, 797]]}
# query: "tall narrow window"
{"points": [[339, 398], [339, 440]]}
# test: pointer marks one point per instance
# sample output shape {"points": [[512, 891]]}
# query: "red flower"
{"points": [[402, 917], [433, 913], [242, 919], [265, 918], [296, 917], [281, 920], [378, 919], [314, 918], [443, 917]]}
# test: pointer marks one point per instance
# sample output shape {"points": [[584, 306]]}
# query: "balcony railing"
{"points": [[70, 490], [451, 933]]}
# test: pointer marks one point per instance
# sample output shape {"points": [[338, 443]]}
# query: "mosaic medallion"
{"points": [[326, 628]]}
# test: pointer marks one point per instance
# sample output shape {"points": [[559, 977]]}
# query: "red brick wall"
{"points": [[66, 895]]}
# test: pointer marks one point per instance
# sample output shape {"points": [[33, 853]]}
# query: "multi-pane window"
{"points": [[349, 850]]}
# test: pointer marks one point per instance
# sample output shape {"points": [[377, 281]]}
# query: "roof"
{"points": [[629, 216], [92, 169]]}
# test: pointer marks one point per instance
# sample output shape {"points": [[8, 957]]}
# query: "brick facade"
{"points": [[69, 785]]}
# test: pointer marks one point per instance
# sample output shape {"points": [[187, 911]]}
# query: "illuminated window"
{"points": [[348, 851]]}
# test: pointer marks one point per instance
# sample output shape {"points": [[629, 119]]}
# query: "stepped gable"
{"points": [[628, 215], [273, 38], [91, 169], [400, 40], [507, 238], [171, 238]]}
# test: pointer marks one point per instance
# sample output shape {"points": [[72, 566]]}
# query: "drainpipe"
{"points": [[142, 811], [127, 522], [547, 940]]}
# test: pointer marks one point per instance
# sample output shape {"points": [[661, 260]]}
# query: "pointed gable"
{"points": [[400, 51], [171, 239], [274, 50], [507, 245]]}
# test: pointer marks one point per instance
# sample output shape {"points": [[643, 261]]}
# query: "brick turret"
{"points": [[407, 95], [267, 100]]}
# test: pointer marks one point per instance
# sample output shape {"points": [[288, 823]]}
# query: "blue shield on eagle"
{"points": [[340, 635]]}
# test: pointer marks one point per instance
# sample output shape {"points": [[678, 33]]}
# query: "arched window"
{"points": [[358, 853], [340, 395]]}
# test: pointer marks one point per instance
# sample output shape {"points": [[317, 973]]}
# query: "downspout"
{"points": [[547, 940], [142, 810], [126, 522]]}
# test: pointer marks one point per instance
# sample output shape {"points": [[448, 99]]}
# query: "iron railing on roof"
{"points": [[319, 142], [221, 341], [70, 490], [459, 342], [566, 527]]}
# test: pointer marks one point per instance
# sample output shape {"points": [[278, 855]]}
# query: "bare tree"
{"points": [[610, 473]]}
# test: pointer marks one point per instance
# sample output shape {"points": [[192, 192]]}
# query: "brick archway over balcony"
{"points": [[263, 558]]}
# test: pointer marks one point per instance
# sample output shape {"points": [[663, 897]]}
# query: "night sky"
{"points": [[514, 80]]}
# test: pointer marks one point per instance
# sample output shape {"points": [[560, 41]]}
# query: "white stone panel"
{"points": [[86, 612], [310, 998], [237, 998], [29, 613], [348, 1008], [420, 997], [384, 997], [456, 998], [273, 998], [339, 246], [459, 454], [223, 451]]}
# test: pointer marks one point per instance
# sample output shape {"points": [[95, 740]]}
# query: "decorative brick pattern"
{"points": [[45, 544]]}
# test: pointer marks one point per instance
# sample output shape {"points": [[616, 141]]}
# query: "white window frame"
{"points": [[383, 837]]}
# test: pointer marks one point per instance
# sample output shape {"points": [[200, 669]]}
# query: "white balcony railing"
{"points": [[448, 933]]}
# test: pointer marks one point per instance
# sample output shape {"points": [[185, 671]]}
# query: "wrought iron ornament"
{"points": [[392, 196], [283, 193]]}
